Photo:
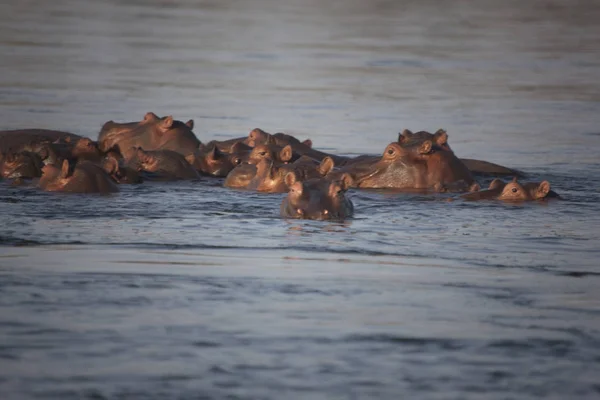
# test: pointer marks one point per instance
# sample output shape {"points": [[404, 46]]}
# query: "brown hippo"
{"points": [[152, 133], [440, 139], [165, 165], [258, 136], [318, 198], [87, 177], [210, 160], [513, 191], [22, 165], [269, 176], [119, 172], [271, 152], [33, 140], [422, 166]]}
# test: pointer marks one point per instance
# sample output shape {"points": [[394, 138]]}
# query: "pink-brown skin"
{"points": [[210, 160], [22, 165], [269, 176], [258, 136], [86, 177], [271, 152], [33, 140], [152, 133], [512, 191], [319, 198], [415, 167], [165, 165], [119, 172], [440, 140]]}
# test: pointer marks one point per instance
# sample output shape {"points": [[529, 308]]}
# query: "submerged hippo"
{"points": [[152, 133], [22, 165], [258, 136], [86, 177], [165, 165], [33, 140], [513, 191], [210, 160], [269, 176], [119, 172], [418, 166], [318, 198], [440, 140]]}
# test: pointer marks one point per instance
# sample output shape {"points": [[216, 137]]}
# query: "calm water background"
{"points": [[191, 290]]}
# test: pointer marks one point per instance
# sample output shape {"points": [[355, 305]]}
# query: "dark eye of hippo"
{"points": [[390, 151], [515, 190], [262, 153]]}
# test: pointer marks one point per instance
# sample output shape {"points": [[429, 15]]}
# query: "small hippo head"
{"points": [[439, 138], [21, 165], [86, 149], [54, 178], [319, 198], [209, 160], [516, 192], [146, 161], [270, 152], [258, 136], [119, 173]]}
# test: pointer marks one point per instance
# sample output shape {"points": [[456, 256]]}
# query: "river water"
{"points": [[195, 291]]}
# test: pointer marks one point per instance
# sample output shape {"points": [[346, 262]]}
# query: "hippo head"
{"points": [[439, 138], [86, 149], [21, 165], [146, 161], [270, 152], [258, 136], [54, 178], [319, 198], [516, 192], [119, 173], [209, 160]]}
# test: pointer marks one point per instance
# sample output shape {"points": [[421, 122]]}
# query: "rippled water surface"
{"points": [[192, 290]]}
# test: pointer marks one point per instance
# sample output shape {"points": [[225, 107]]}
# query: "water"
{"points": [[191, 290]]}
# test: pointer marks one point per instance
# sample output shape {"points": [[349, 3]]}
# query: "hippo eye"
{"points": [[515, 190], [237, 161], [390, 151], [262, 153]]}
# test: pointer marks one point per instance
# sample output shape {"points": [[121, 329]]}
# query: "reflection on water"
{"points": [[184, 290]]}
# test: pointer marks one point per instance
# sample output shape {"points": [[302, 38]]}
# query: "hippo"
{"points": [[418, 166], [258, 136], [119, 172], [317, 198], [165, 165], [210, 160], [86, 177], [440, 139], [22, 165], [271, 152], [268, 175], [14, 141], [513, 191], [152, 133]]}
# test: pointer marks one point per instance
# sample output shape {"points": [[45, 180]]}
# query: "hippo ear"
{"points": [[150, 116], [167, 123], [404, 136], [214, 153], [326, 166], [346, 181], [474, 187], [290, 178], [496, 184], [64, 172], [542, 190], [425, 147], [191, 158], [111, 165], [308, 143], [440, 137], [190, 124], [285, 154], [514, 180]]}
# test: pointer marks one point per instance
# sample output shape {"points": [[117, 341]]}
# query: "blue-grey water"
{"points": [[195, 291]]}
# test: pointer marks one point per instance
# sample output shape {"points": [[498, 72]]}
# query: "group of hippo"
{"points": [[158, 148]]}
